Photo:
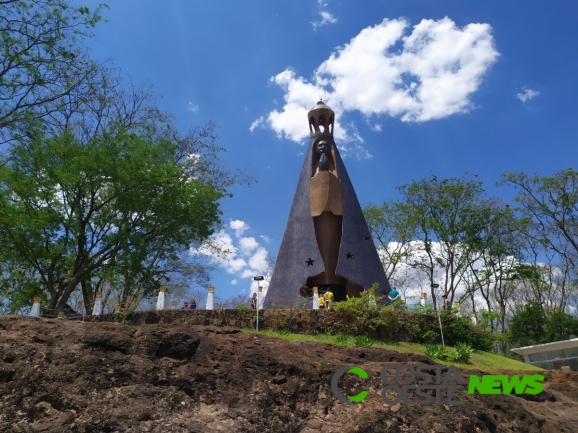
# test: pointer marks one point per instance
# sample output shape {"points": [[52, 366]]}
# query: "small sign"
{"points": [[435, 286]]}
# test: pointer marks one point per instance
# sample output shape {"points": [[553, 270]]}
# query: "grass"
{"points": [[480, 359]]}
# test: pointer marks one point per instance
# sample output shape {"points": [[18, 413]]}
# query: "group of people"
{"points": [[326, 299], [190, 305]]}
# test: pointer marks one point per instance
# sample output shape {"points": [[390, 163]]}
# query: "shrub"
{"points": [[436, 351], [343, 339], [464, 353], [363, 341]]}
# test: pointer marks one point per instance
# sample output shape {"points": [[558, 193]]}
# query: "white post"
{"points": [[459, 313], [315, 298], [61, 314], [441, 329], [35, 311], [259, 295], [174, 305], [161, 298], [210, 297], [79, 308], [473, 317], [97, 309], [260, 298], [422, 300]]}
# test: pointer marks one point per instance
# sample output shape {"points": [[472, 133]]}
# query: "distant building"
{"points": [[551, 356]]}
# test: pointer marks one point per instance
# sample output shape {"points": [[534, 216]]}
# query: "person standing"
{"points": [[254, 301], [446, 302], [193, 304], [328, 298]]}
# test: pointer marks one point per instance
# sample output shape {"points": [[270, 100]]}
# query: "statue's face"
{"points": [[323, 148]]}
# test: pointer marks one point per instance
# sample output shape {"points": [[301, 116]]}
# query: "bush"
{"points": [[343, 339], [436, 351], [462, 354], [363, 341], [357, 316]]}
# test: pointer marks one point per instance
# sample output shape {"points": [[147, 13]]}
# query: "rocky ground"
{"points": [[73, 376]]}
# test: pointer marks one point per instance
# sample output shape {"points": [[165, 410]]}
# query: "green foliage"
{"points": [[358, 313], [44, 66], [362, 340], [72, 210], [462, 353], [430, 336], [561, 326], [241, 310], [356, 317], [343, 339], [528, 326], [436, 351]]}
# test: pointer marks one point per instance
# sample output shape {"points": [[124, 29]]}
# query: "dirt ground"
{"points": [[73, 376]]}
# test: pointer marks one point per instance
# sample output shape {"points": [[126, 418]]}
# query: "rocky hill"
{"points": [[74, 376]]}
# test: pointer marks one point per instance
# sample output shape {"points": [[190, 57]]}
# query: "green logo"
{"points": [[350, 398], [501, 384]]}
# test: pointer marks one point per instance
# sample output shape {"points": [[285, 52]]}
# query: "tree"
{"points": [[561, 326], [75, 209], [452, 219], [395, 229], [551, 202], [528, 326], [42, 64]]}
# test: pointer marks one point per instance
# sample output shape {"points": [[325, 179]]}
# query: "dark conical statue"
{"points": [[326, 243]]}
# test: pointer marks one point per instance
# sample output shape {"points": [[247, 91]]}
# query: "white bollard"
{"points": [[161, 298], [473, 317], [79, 308], [61, 314], [35, 311], [315, 298], [174, 305], [422, 300], [260, 298], [97, 309], [210, 297]]}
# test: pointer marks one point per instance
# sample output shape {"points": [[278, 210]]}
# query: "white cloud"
{"points": [[425, 75], [241, 256], [239, 226], [256, 123], [326, 18], [265, 238], [259, 262], [247, 245], [527, 94], [193, 107]]}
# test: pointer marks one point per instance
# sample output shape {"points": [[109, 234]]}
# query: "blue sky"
{"points": [[419, 88]]}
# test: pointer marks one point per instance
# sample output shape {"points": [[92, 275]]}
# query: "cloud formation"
{"points": [[427, 74], [527, 94], [326, 18], [242, 256], [256, 123], [193, 107]]}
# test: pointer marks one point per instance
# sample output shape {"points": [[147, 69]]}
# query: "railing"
{"points": [[557, 364]]}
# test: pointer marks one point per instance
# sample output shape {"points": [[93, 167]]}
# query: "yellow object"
{"points": [[321, 302]]}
